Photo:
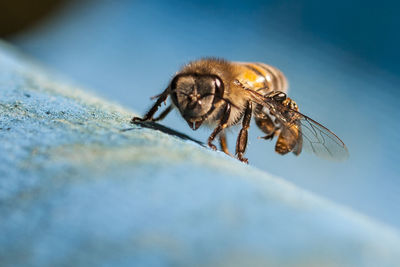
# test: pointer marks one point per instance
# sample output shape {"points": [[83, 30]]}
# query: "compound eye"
{"points": [[173, 89], [219, 87], [174, 82]]}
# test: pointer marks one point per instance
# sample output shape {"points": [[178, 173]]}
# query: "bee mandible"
{"points": [[220, 94]]}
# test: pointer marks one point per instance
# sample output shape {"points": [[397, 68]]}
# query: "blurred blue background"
{"points": [[341, 59]]}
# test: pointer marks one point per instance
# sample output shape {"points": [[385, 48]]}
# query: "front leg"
{"points": [[149, 115], [223, 143], [163, 114], [241, 142], [222, 125]]}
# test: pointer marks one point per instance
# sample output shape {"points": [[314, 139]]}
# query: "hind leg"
{"points": [[265, 124], [290, 138]]}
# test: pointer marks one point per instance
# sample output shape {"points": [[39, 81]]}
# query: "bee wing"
{"points": [[316, 138], [319, 140]]}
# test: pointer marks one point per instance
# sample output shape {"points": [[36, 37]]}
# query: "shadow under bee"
{"points": [[162, 128]]}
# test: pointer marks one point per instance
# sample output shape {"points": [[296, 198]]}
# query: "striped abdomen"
{"points": [[264, 79], [261, 77]]}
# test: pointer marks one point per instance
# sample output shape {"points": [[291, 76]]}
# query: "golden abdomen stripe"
{"points": [[259, 73], [262, 76], [279, 80]]}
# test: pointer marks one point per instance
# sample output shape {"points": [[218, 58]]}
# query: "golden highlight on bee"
{"points": [[220, 94]]}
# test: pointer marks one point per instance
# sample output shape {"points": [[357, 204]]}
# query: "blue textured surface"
{"points": [[75, 190], [128, 50]]}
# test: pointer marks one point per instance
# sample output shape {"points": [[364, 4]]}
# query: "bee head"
{"points": [[195, 95]]}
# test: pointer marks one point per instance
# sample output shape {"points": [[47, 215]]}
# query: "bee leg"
{"points": [[149, 115], [222, 125], [290, 138], [287, 140], [296, 127], [268, 136], [223, 143], [299, 145], [241, 142], [163, 114], [265, 124]]}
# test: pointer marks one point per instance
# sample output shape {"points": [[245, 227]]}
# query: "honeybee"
{"points": [[220, 94]]}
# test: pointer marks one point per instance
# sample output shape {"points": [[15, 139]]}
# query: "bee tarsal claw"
{"points": [[244, 160], [212, 146], [136, 119]]}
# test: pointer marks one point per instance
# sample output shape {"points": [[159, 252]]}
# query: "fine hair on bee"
{"points": [[220, 93]]}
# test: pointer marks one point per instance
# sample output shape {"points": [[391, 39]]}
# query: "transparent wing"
{"points": [[316, 138], [320, 140]]}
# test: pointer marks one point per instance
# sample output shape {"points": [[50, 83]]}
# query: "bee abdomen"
{"points": [[275, 77], [264, 78]]}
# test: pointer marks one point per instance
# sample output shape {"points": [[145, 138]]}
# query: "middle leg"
{"points": [[265, 123], [241, 142], [223, 143]]}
